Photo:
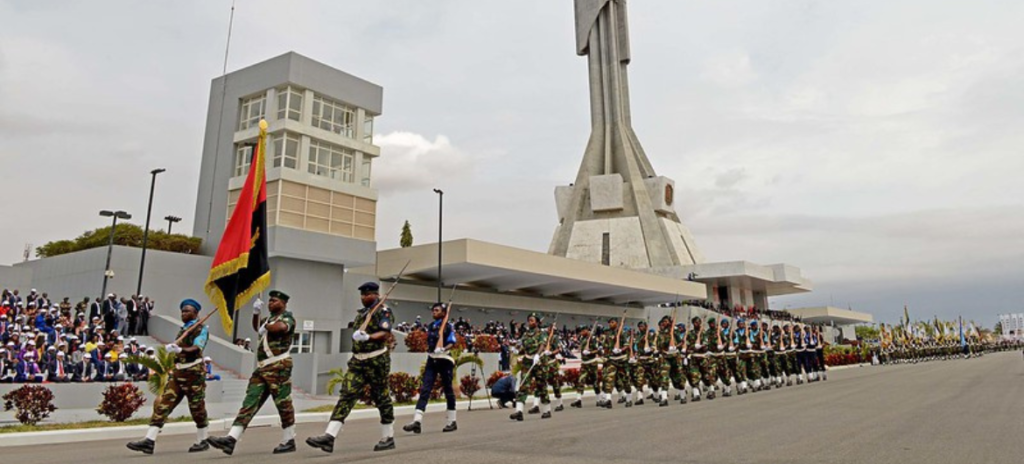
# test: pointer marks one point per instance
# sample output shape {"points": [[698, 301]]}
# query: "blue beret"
{"points": [[192, 303], [369, 287]]}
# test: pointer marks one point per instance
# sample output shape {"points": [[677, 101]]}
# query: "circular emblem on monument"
{"points": [[669, 194]]}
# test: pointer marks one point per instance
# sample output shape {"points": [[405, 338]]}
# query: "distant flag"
{"points": [[963, 342], [906, 316], [241, 268]]}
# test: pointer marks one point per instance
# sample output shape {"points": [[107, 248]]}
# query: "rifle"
{"points": [[618, 333], [672, 330], [592, 329], [189, 329], [444, 322], [547, 346], [372, 311]]}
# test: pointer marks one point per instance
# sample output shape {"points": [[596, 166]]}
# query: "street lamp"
{"points": [[170, 222], [107, 273], [145, 232], [440, 224]]}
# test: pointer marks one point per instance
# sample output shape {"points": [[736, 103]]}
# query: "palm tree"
{"points": [[160, 368]]}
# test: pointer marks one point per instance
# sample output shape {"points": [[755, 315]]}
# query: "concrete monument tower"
{"points": [[619, 212]]}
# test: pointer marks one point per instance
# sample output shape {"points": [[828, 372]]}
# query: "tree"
{"points": [[866, 332], [406, 240], [998, 330], [127, 235]]}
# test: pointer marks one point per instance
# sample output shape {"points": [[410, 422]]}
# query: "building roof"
{"points": [[513, 270], [773, 279], [831, 315]]}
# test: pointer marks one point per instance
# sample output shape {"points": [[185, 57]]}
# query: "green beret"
{"points": [[279, 295]]}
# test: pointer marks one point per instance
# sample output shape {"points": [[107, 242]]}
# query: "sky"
{"points": [[877, 145]]}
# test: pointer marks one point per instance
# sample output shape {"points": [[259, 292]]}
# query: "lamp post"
{"points": [[170, 222], [440, 228], [110, 243], [145, 232]]}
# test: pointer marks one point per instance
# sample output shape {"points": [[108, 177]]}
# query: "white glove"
{"points": [[632, 360], [720, 347], [616, 351], [547, 353], [586, 352], [672, 349], [262, 331], [536, 359], [173, 348], [647, 350], [257, 306], [558, 356], [360, 336], [698, 346], [732, 348], [438, 350]]}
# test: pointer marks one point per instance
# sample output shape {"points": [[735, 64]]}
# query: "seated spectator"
{"points": [[28, 370], [86, 370], [57, 371], [209, 369], [7, 367], [246, 343]]}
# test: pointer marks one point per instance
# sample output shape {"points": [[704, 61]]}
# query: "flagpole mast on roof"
{"points": [[220, 120]]}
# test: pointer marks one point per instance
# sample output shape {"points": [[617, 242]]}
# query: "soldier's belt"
{"points": [[592, 361], [273, 360], [444, 356], [183, 366], [617, 358], [370, 355]]}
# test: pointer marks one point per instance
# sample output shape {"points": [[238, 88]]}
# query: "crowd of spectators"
{"points": [[42, 340]]}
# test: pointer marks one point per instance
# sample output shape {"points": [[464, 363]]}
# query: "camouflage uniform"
{"points": [[726, 361], [644, 362], [553, 366], [589, 365], [671, 372], [709, 365], [616, 374], [533, 342], [273, 379], [187, 380], [697, 354], [372, 370], [741, 341]]}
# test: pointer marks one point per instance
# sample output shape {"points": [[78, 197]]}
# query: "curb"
{"points": [[183, 428]]}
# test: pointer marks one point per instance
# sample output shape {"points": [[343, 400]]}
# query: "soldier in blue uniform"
{"points": [[439, 363]]}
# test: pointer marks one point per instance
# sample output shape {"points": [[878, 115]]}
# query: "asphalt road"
{"points": [[967, 411]]}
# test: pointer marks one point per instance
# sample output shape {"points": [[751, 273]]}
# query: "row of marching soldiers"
{"points": [[650, 362]]}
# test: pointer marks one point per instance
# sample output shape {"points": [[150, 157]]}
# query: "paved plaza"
{"points": [[939, 412]]}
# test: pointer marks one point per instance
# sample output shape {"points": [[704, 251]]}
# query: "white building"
{"points": [[1013, 325]]}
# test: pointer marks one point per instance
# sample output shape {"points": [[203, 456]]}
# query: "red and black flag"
{"points": [[241, 268]]}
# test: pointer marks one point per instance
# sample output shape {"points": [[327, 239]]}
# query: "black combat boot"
{"points": [[325, 442], [711, 395], [629, 404], [546, 415], [144, 445], [577, 404], [676, 398], [516, 416], [385, 444], [451, 427], [286, 447], [225, 444], [413, 427], [534, 410], [663, 403], [639, 402], [559, 408], [622, 399], [199, 447]]}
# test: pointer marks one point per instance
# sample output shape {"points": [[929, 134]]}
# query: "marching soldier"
{"points": [[671, 372], [370, 366], [616, 362], [727, 358], [766, 350], [742, 341], [641, 363], [709, 366], [590, 356], [439, 363], [533, 342], [697, 349], [272, 377], [187, 380]]}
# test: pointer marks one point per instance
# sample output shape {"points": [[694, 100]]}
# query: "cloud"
{"points": [[410, 162], [730, 70]]}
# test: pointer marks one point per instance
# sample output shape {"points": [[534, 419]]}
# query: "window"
{"points": [[302, 342], [606, 249], [368, 129], [331, 161], [365, 172], [289, 104], [334, 116], [286, 150], [243, 157], [252, 111]]}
